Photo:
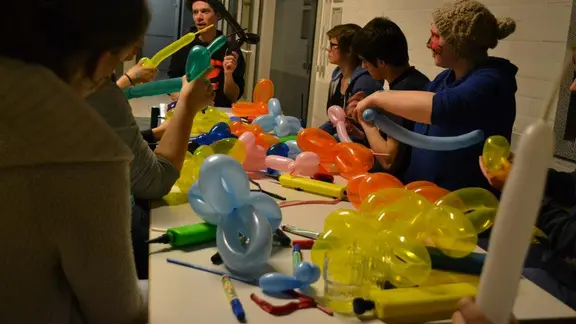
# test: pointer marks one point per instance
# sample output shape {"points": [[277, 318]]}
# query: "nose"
{"points": [[429, 43]]}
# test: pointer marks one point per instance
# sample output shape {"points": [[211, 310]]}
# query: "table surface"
{"points": [[182, 295]]}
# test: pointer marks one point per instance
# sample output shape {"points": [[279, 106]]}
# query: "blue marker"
{"points": [[237, 308]]}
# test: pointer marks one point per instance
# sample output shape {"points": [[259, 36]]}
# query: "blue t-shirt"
{"points": [[483, 99]]}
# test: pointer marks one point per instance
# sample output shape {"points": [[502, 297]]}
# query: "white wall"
{"points": [[537, 46]]}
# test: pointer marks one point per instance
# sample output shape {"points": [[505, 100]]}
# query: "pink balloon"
{"points": [[337, 117], [307, 163], [255, 154], [280, 163]]}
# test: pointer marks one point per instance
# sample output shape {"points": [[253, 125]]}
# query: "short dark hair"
{"points": [[64, 31], [189, 3], [381, 40], [345, 34]]}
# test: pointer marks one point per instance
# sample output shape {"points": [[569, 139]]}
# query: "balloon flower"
{"points": [[222, 197], [216, 133], [448, 143], [197, 64], [263, 139], [349, 159], [192, 162], [263, 91], [305, 274], [169, 50], [394, 226], [274, 121]]}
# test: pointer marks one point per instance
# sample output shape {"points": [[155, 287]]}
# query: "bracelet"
{"points": [[129, 78]]}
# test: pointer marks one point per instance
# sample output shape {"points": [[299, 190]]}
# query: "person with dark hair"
{"points": [[475, 92], [65, 194], [348, 78], [227, 77], [383, 49]]}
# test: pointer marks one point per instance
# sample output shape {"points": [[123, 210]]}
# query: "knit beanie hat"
{"points": [[470, 28]]}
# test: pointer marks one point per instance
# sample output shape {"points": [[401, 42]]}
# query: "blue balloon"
{"points": [[275, 121], [294, 150], [413, 139], [305, 274], [280, 149], [286, 126], [222, 197], [274, 107], [216, 133], [266, 122]]}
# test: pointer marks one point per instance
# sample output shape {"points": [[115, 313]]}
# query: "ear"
{"points": [[104, 66]]}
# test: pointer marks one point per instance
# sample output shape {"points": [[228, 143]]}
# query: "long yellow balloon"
{"points": [[169, 50]]}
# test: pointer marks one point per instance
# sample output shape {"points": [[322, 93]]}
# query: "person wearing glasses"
{"points": [[348, 78]]}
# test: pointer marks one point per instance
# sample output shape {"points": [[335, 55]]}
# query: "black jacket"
{"points": [[178, 65]]}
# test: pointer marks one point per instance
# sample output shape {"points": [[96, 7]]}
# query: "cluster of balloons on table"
{"points": [[276, 122], [393, 227], [305, 274], [263, 92], [205, 120], [222, 197]]}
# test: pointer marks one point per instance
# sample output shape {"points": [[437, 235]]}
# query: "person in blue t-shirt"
{"points": [[475, 91]]}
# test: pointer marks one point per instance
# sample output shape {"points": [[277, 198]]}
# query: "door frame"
{"points": [[264, 60]]}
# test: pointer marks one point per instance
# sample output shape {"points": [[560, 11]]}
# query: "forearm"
{"points": [[231, 89], [123, 82], [174, 143], [385, 149], [411, 105]]}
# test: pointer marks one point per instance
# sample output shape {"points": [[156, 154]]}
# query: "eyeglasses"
{"points": [[331, 46]]}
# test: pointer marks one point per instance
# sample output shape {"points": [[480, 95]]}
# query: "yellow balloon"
{"points": [[231, 147], [190, 172], [328, 241], [399, 260], [204, 151], [169, 114], [451, 231], [204, 121], [495, 153], [387, 207], [478, 204]]}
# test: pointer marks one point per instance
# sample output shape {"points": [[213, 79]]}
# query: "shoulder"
{"points": [[111, 104], [51, 122]]}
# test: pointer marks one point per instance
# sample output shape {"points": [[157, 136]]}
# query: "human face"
{"points": [[334, 55], [203, 14], [376, 72], [135, 49], [441, 51]]}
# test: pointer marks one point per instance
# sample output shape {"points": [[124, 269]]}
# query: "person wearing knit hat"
{"points": [[476, 91]]}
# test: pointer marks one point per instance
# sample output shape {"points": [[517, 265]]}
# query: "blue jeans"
{"points": [[551, 285]]}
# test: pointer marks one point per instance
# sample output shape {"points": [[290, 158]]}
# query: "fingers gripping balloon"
{"points": [[422, 141], [197, 64], [275, 121], [169, 50], [337, 117], [222, 197], [305, 274]]}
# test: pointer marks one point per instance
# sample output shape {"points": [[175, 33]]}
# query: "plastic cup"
{"points": [[344, 280]]}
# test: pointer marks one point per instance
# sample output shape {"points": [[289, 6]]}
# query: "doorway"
{"points": [[292, 54]]}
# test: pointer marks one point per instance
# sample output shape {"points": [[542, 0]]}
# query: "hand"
{"points": [[496, 179], [360, 107], [354, 131], [353, 102], [230, 62], [469, 313], [141, 74], [198, 94]]}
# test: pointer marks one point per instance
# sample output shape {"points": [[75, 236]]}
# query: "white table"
{"points": [[182, 295]]}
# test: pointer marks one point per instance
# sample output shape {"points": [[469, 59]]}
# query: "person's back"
{"points": [[64, 182]]}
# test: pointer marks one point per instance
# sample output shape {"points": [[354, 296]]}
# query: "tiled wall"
{"points": [[537, 46]]}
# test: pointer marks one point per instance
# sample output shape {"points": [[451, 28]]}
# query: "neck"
{"points": [[347, 70], [463, 66], [208, 36], [393, 72]]}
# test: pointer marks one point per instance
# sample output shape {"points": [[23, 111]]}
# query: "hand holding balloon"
{"points": [[305, 274], [222, 197], [422, 141], [337, 117]]}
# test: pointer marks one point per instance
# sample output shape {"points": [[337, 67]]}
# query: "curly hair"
{"points": [[470, 28]]}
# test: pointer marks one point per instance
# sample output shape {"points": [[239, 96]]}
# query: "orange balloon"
{"points": [[249, 109], [377, 181], [317, 141], [353, 189], [254, 128], [263, 91], [237, 128], [432, 193], [419, 184], [266, 140], [353, 159]]}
